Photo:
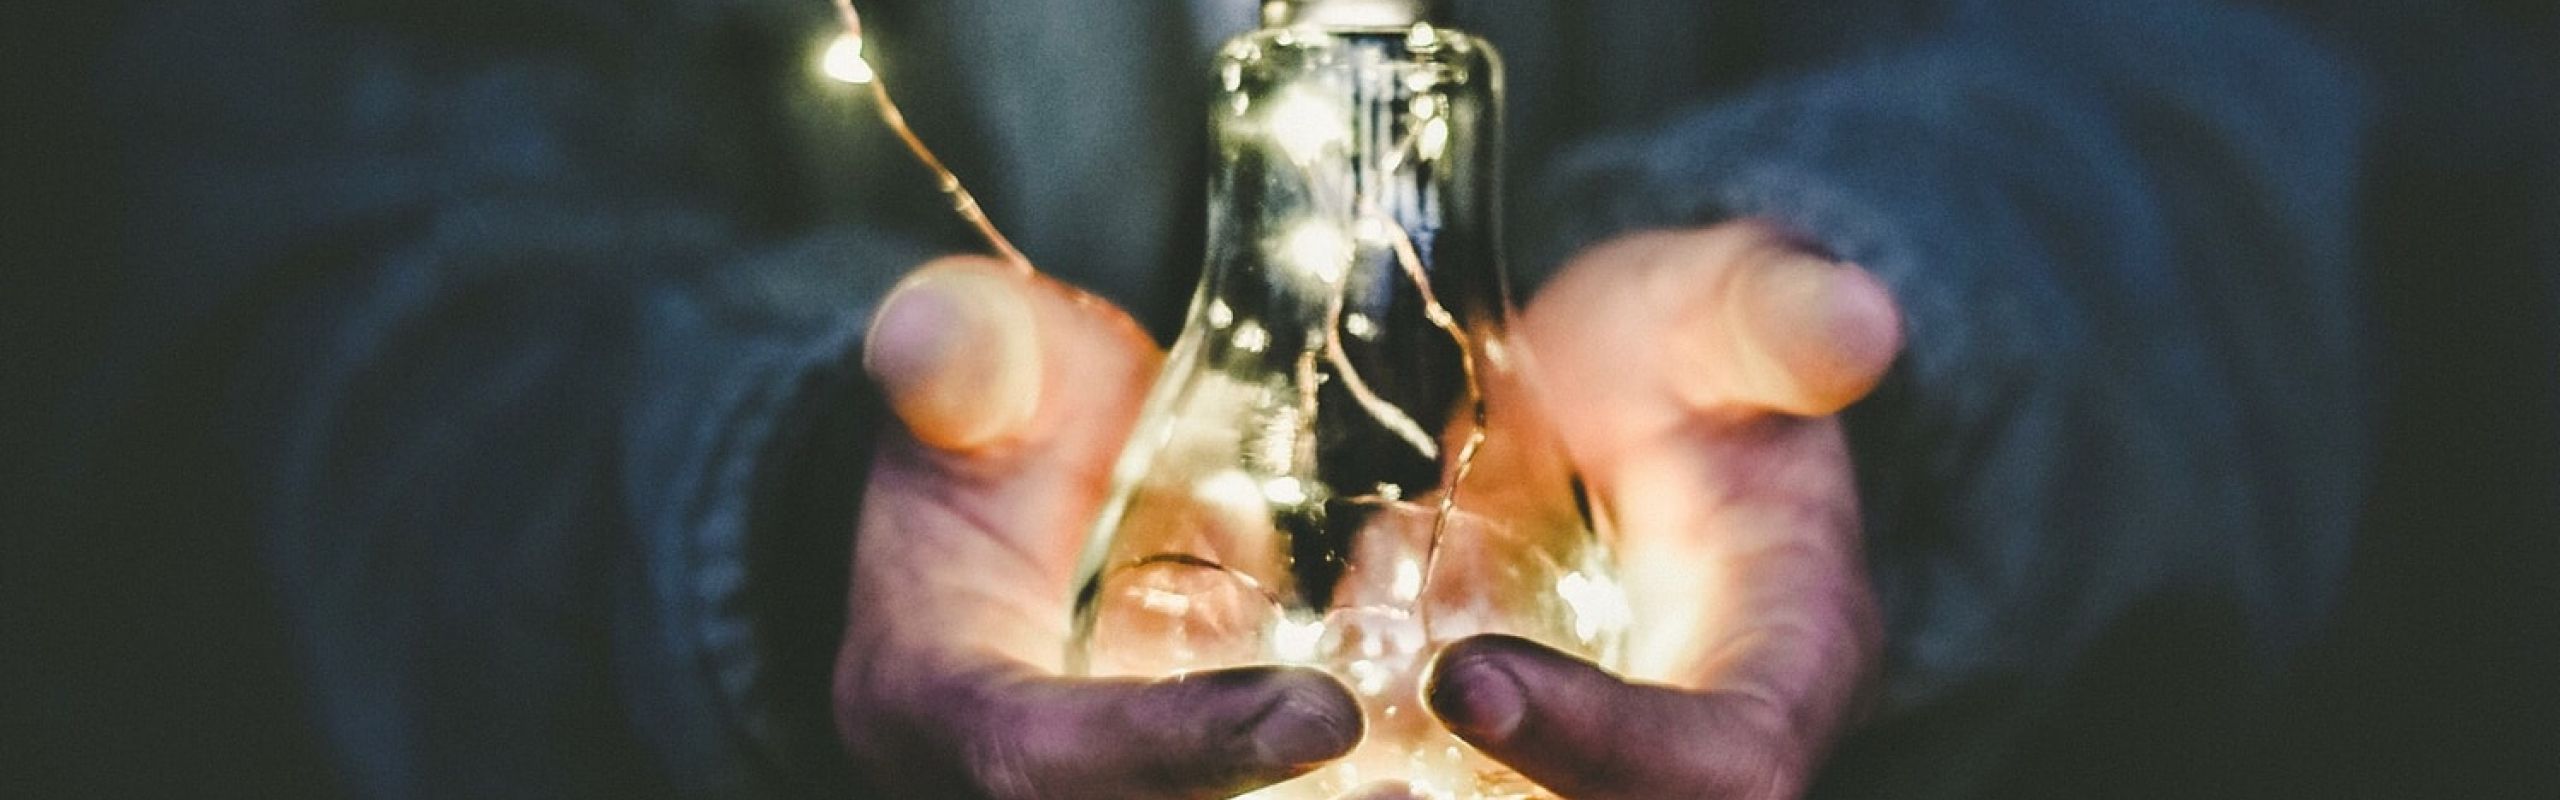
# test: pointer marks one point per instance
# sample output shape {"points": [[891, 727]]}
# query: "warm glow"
{"points": [[1408, 583], [843, 61], [1370, 678], [1294, 641], [1599, 606], [1285, 491], [1229, 490]]}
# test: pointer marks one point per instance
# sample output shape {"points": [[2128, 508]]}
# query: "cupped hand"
{"points": [[1016, 393], [1692, 376]]}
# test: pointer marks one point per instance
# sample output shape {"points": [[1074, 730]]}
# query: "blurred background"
{"points": [[146, 653]]}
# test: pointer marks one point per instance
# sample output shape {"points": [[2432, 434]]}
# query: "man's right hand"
{"points": [[1016, 394]]}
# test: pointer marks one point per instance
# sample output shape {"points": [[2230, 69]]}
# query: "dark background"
{"points": [[143, 655]]}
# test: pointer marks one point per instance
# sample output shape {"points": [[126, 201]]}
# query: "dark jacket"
{"points": [[523, 338]]}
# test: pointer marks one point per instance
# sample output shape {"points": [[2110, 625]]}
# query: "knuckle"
{"points": [[1760, 759], [1002, 769]]}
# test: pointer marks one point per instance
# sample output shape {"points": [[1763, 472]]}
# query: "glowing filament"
{"points": [[1369, 678]]}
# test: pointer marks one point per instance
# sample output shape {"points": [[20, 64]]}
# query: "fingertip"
{"points": [[955, 351], [1869, 326], [1312, 719], [1474, 690], [1815, 335]]}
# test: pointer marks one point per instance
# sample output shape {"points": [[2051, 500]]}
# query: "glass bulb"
{"points": [[1341, 465]]}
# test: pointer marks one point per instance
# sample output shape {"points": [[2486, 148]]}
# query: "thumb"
{"points": [[1015, 392], [954, 349], [1579, 731], [1199, 735], [1743, 318], [1801, 334]]}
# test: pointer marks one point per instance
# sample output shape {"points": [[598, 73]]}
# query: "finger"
{"points": [[1386, 790], [968, 350], [1802, 334], [1017, 393], [1735, 316], [1581, 732], [1202, 735]]}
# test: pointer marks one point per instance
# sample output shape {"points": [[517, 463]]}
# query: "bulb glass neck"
{"points": [[1347, 13]]}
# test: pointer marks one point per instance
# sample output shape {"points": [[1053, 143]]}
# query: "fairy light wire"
{"points": [[962, 202], [1408, 260]]}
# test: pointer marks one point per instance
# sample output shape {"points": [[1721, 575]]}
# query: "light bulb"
{"points": [[1341, 466]]}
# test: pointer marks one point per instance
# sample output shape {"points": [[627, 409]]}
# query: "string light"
{"points": [[855, 64], [1344, 244]]}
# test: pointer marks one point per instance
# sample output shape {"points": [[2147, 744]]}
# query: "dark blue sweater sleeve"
{"points": [[2121, 234], [525, 505], [551, 438]]}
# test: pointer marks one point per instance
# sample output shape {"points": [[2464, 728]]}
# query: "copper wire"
{"points": [[962, 202]]}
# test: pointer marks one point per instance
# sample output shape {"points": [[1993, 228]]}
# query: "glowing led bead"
{"points": [[1305, 124], [1369, 678], [1285, 491], [843, 61], [1497, 354], [1294, 641], [1229, 489], [1252, 338], [1374, 231], [1358, 324], [1434, 139], [1420, 80], [1423, 38], [1318, 250], [1408, 584], [1598, 604]]}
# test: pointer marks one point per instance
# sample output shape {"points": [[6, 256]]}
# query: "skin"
{"points": [[1713, 450]]}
